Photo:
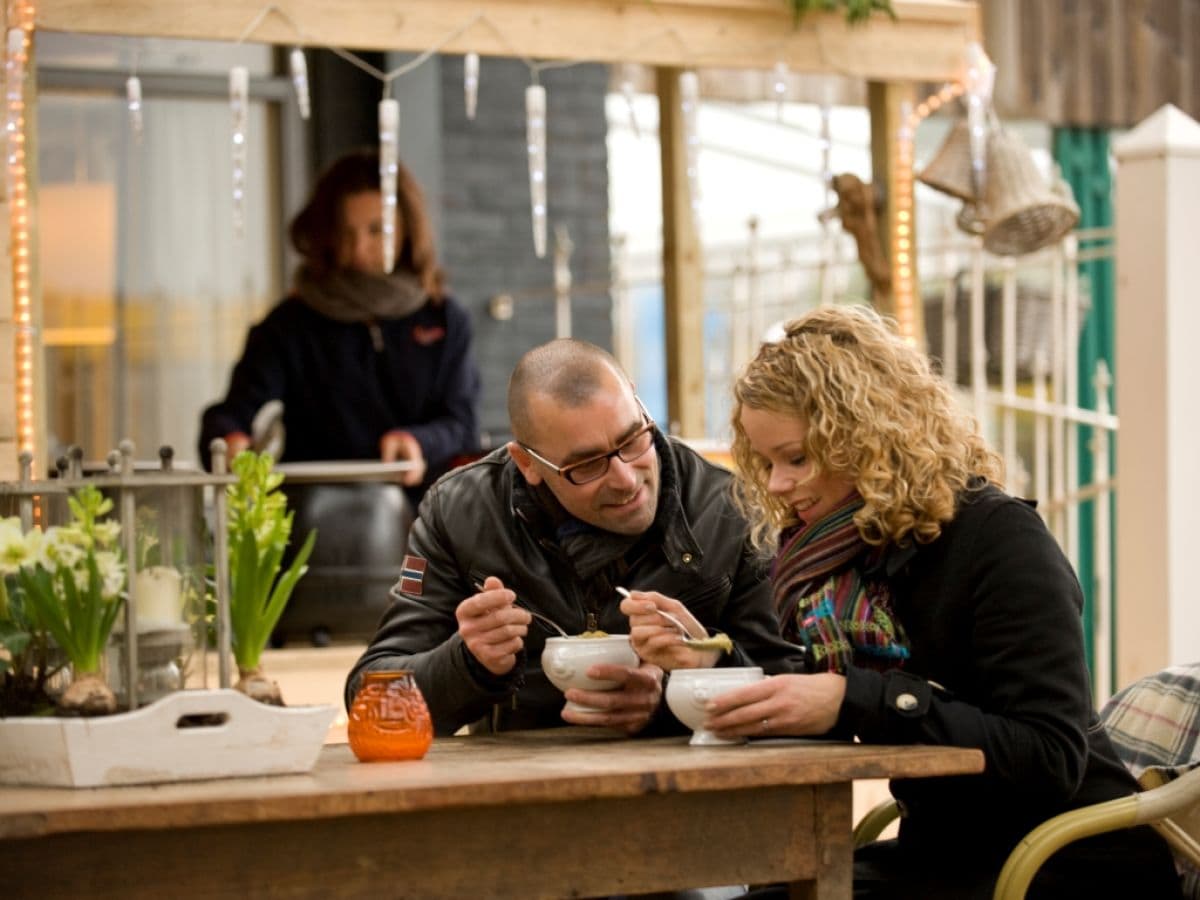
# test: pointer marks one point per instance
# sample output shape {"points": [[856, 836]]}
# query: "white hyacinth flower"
{"points": [[107, 532], [112, 573]]}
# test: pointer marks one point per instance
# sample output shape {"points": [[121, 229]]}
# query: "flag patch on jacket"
{"points": [[412, 575]]}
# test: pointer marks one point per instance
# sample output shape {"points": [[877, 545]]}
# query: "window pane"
{"points": [[147, 292]]}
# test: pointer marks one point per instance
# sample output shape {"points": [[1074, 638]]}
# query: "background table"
{"points": [[563, 812]]}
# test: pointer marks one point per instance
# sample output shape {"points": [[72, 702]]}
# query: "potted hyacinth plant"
{"points": [[70, 584], [25, 666], [260, 526]]}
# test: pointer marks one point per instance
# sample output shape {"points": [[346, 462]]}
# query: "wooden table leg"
{"points": [[834, 845]]}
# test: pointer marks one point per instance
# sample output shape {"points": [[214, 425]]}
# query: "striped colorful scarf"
{"points": [[824, 601]]}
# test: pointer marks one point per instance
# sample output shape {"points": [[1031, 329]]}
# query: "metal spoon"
{"points": [[718, 641], [545, 620]]}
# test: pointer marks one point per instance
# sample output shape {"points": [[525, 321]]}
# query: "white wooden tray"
{"points": [[184, 736]]}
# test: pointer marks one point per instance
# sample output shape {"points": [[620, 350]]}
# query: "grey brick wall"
{"points": [[486, 238]]}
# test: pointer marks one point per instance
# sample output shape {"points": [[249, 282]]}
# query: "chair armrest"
{"points": [[1153, 807], [1053, 834], [877, 819]]}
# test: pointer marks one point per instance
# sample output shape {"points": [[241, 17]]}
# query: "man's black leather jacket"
{"points": [[477, 521]]}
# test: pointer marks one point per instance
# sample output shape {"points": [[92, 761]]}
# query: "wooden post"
{"points": [[683, 276], [1158, 508]]}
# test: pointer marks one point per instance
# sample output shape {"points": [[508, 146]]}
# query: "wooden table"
{"points": [[565, 812]]}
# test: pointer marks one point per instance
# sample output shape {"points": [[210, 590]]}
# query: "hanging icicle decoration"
{"points": [[298, 66], [978, 83], [627, 91], [689, 95], [825, 142], [471, 83], [389, 154], [239, 103], [133, 100], [779, 87], [535, 134]]}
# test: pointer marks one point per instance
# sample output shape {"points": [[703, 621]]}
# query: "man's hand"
{"points": [[657, 640], [628, 707], [492, 627], [400, 445], [783, 704]]}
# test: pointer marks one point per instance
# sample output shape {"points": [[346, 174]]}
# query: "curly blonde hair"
{"points": [[876, 414]]}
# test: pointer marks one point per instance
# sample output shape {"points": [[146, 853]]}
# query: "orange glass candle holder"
{"points": [[388, 718]]}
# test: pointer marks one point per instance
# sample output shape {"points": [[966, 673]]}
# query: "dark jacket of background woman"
{"points": [[344, 387]]}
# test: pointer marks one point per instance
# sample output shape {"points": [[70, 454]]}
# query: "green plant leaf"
{"points": [[13, 639], [260, 528], [287, 581]]}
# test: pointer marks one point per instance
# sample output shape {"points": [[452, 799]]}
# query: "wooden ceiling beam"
{"points": [[924, 43]]}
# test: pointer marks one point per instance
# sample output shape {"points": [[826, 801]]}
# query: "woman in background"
{"points": [[368, 364]]}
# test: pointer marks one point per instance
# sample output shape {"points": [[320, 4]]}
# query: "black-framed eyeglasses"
{"points": [[633, 447]]}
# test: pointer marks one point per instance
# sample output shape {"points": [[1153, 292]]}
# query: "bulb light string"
{"points": [[902, 238], [17, 43]]}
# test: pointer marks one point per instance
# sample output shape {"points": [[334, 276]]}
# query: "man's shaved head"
{"points": [[567, 371]]}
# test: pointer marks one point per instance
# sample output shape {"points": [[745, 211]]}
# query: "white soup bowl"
{"points": [[565, 660], [689, 690]]}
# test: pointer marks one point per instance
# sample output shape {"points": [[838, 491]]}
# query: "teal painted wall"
{"points": [[1083, 156]]}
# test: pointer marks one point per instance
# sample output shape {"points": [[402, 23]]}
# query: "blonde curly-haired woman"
{"points": [[933, 608]]}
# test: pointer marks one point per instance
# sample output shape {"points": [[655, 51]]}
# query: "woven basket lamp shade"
{"points": [[1019, 213], [1024, 214], [950, 169]]}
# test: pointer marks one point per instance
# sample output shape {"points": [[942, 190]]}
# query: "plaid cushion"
{"points": [[1155, 721], [1153, 724]]}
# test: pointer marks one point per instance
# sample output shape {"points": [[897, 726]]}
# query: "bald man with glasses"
{"points": [[588, 497]]}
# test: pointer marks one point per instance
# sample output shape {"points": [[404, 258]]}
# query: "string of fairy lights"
{"points": [[17, 44], [976, 83]]}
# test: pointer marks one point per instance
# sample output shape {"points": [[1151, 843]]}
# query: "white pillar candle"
{"points": [[158, 594]]}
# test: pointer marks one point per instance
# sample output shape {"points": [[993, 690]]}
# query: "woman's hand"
{"points": [[235, 443], [656, 640], [400, 445], [795, 705]]}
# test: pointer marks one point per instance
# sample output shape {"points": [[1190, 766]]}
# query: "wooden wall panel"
{"points": [[1094, 63]]}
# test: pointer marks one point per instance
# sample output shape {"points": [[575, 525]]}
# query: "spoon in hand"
{"points": [[718, 641], [546, 620]]}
